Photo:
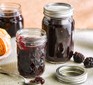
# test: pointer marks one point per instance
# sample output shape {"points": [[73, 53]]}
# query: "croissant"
{"points": [[4, 41]]}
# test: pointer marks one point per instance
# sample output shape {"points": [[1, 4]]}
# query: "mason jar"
{"points": [[31, 52], [58, 23], [11, 18]]}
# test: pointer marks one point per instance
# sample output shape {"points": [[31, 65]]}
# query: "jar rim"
{"points": [[10, 4], [58, 10]]}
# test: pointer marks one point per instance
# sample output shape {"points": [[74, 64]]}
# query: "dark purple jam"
{"points": [[11, 23], [31, 59], [59, 38]]}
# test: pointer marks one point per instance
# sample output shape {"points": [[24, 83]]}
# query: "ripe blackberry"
{"points": [[38, 80], [88, 63], [78, 57]]}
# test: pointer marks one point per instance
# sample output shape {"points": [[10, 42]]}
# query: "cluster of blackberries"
{"points": [[37, 80], [80, 58]]}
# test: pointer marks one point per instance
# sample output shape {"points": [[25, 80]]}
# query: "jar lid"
{"points": [[58, 10], [71, 74]]}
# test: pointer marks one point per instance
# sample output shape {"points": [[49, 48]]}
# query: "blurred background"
{"points": [[32, 11]]}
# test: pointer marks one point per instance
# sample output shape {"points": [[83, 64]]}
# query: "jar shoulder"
{"points": [[57, 21]]}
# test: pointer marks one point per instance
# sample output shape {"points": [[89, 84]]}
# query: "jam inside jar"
{"points": [[11, 18], [59, 25], [31, 52]]}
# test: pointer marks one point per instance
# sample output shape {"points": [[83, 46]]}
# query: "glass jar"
{"points": [[58, 22], [11, 18], [31, 52]]}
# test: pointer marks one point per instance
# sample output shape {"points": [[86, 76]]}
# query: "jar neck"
{"points": [[31, 37], [10, 14], [61, 18], [59, 21]]}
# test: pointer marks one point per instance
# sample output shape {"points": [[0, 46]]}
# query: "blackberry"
{"points": [[88, 63], [37, 80], [78, 57]]}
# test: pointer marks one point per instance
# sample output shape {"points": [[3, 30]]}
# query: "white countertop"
{"points": [[83, 43]]}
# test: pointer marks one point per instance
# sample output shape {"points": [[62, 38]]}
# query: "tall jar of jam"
{"points": [[10, 17], [58, 22]]}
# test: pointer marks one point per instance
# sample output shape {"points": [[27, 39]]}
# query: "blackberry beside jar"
{"points": [[11, 18], [58, 22]]}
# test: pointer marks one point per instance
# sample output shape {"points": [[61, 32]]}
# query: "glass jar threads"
{"points": [[58, 22], [10, 17]]}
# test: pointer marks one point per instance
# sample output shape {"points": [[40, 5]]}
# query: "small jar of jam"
{"points": [[10, 17], [58, 22], [31, 52]]}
